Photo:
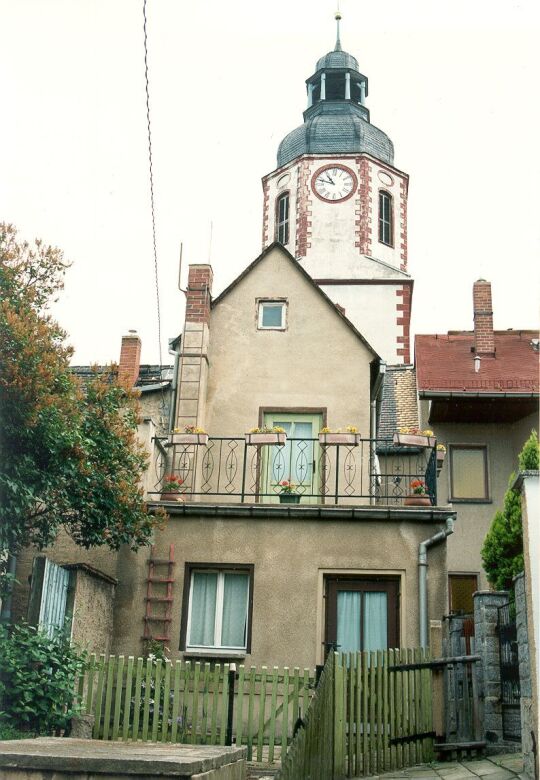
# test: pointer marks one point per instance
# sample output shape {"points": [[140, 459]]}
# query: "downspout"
{"points": [[173, 350], [423, 547], [377, 390]]}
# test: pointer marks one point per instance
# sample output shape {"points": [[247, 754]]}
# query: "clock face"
{"points": [[334, 183]]}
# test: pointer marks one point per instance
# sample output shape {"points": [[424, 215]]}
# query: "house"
{"points": [[478, 392], [312, 335]]}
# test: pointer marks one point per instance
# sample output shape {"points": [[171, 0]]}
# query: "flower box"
{"points": [[172, 497], [440, 458], [266, 438], [190, 438], [417, 500], [351, 439], [414, 440], [289, 498]]}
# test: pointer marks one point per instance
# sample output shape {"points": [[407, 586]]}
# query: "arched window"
{"points": [[282, 219], [386, 221]]}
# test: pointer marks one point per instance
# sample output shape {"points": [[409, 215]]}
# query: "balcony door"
{"points": [[297, 461]]}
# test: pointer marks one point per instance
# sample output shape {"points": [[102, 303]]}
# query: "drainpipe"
{"points": [[377, 390], [173, 350], [423, 547]]}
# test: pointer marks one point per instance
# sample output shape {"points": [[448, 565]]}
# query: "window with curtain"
{"points": [[218, 609], [361, 613], [468, 473], [386, 227], [282, 219]]}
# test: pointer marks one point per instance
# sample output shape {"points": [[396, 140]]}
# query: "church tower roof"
{"points": [[336, 119]]}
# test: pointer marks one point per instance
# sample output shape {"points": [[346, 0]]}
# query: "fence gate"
{"points": [[509, 664]]}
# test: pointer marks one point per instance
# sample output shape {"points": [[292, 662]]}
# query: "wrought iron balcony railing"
{"points": [[229, 469]]}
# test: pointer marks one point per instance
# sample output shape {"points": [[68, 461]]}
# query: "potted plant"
{"points": [[441, 454], [348, 436], [414, 437], [191, 434], [266, 435], [419, 495], [171, 489], [287, 494]]}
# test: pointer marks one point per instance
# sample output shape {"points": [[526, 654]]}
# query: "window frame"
{"points": [[362, 583], [386, 223], [185, 621], [457, 446], [260, 302], [452, 575], [283, 224]]}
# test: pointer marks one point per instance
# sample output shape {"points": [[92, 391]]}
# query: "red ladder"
{"points": [[162, 600]]}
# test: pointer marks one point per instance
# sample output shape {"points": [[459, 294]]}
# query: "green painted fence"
{"points": [[379, 705], [180, 701]]}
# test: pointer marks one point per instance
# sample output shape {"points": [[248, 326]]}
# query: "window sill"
{"points": [[215, 653], [470, 500]]}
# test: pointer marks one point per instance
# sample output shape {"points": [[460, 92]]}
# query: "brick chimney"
{"points": [[484, 338], [199, 293], [130, 357]]}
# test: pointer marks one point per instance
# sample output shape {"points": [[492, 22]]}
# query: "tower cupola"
{"points": [[336, 119]]}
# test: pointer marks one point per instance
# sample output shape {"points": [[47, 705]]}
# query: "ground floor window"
{"points": [[362, 613], [216, 612], [461, 588]]}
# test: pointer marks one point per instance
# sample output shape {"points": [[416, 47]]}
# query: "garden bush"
{"points": [[37, 680]]}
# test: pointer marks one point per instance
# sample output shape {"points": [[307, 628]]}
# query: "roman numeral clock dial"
{"points": [[334, 183]]}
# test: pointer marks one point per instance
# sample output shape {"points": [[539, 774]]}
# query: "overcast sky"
{"points": [[454, 85]]}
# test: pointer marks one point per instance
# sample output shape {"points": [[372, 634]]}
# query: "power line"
{"points": [[151, 173]]}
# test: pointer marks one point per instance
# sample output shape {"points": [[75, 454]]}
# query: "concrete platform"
{"points": [[56, 758]]}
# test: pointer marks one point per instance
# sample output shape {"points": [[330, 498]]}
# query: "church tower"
{"points": [[339, 205]]}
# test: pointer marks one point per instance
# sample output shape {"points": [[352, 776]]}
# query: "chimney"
{"points": [[130, 357], [484, 338], [199, 293]]}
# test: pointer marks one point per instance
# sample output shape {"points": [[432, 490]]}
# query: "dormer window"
{"points": [[386, 227], [282, 219]]}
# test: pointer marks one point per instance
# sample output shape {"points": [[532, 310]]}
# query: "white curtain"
{"points": [[375, 621], [348, 621], [235, 595], [203, 609]]}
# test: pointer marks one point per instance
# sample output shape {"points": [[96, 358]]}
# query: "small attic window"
{"points": [[272, 315]]}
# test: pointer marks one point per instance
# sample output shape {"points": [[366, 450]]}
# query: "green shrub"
{"points": [[502, 553], [529, 456], [37, 679]]}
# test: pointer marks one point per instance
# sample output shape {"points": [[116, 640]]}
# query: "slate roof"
{"points": [[335, 127], [399, 407], [446, 363]]}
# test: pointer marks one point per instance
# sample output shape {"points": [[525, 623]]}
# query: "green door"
{"points": [[297, 461]]}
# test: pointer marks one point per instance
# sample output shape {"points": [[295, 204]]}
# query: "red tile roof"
{"points": [[446, 362]]}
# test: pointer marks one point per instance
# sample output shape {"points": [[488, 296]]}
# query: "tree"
{"points": [[502, 553], [68, 454]]}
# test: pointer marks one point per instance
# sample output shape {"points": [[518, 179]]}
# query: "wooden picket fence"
{"points": [[147, 699], [379, 705]]}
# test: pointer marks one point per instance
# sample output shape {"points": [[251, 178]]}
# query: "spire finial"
{"points": [[338, 19]]}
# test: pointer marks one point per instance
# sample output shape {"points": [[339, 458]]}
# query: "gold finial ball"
{"points": [[338, 16]]}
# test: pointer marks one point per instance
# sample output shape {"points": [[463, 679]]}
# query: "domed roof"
{"points": [[337, 59], [331, 131]]}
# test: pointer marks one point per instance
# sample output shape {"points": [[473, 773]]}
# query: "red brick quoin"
{"points": [[403, 320], [199, 293]]}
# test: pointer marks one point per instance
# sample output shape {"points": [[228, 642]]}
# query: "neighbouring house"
{"points": [[478, 392]]}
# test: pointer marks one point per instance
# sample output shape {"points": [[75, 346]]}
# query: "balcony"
{"points": [[229, 469]]}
